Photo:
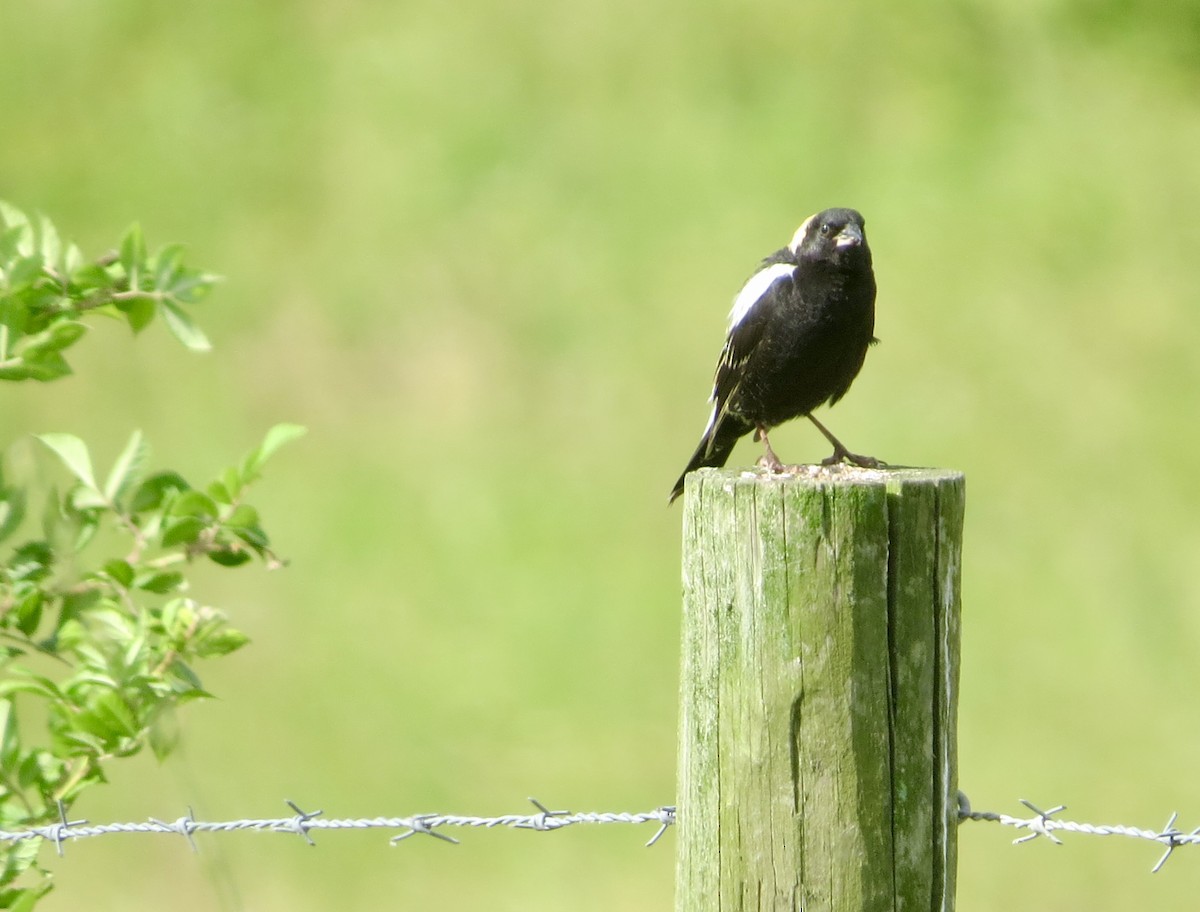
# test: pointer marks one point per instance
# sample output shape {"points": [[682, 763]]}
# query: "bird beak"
{"points": [[850, 236]]}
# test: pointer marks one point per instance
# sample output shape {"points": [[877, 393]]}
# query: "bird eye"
{"points": [[826, 228]]}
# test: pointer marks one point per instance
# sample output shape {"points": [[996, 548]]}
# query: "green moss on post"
{"points": [[817, 763]]}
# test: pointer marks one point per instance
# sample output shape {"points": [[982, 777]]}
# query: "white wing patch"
{"points": [[755, 288], [798, 237]]}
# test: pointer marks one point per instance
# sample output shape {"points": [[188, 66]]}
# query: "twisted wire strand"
{"points": [[304, 823], [1044, 823]]}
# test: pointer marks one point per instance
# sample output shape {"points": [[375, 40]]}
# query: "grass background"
{"points": [[484, 252]]}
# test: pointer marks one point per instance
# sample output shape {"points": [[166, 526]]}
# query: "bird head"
{"points": [[835, 235]]}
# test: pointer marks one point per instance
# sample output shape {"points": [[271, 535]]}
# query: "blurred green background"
{"points": [[484, 251]]}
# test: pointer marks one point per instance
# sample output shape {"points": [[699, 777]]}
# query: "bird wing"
{"points": [[746, 321]]}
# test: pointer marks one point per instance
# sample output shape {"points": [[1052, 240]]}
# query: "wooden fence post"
{"points": [[817, 758]]}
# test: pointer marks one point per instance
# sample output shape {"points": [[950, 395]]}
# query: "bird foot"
{"points": [[841, 455], [770, 462]]}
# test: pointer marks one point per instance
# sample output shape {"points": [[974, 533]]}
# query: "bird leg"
{"points": [[840, 452], [768, 460]]}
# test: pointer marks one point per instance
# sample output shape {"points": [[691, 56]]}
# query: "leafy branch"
{"points": [[47, 287], [99, 630]]}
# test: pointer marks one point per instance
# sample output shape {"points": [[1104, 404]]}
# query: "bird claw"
{"points": [[863, 462], [770, 464]]}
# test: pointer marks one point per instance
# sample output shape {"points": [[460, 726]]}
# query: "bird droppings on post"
{"points": [[832, 472], [841, 473]]}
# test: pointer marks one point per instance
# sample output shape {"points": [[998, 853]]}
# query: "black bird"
{"points": [[798, 334]]}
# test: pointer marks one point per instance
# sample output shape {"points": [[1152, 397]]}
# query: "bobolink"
{"points": [[798, 333]]}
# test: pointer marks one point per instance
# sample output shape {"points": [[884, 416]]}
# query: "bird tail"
{"points": [[714, 448]]}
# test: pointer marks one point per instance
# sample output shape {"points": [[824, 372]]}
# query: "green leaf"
{"points": [[182, 327], [193, 286], [139, 312], [184, 680], [89, 523], [69, 635], [194, 503], [14, 316], [161, 582], [10, 742], [76, 741], [28, 613], [133, 254], [120, 571], [72, 259], [31, 683], [51, 245], [74, 454], [10, 214], [12, 511], [24, 271], [154, 490], [276, 437], [64, 334], [219, 492], [243, 516], [31, 561], [108, 717], [231, 481], [127, 469], [183, 531], [88, 529], [164, 734], [168, 262], [77, 604], [228, 557], [220, 642], [177, 616], [90, 277], [10, 238], [43, 366], [254, 536], [19, 222], [40, 770], [82, 499], [24, 899]]}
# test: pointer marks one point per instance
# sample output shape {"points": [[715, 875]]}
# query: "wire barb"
{"points": [[667, 817], [185, 826], [545, 819], [1173, 839], [57, 832], [300, 824], [1038, 824], [420, 824]]}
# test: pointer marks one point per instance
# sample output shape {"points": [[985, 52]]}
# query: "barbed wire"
{"points": [[1046, 824], [304, 823]]}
